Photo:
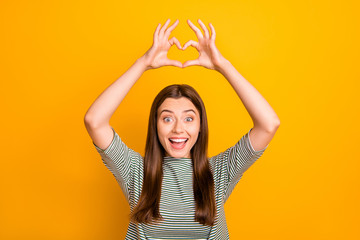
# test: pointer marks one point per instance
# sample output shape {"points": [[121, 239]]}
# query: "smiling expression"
{"points": [[178, 126]]}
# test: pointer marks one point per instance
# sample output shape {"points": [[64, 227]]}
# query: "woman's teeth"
{"points": [[178, 140]]}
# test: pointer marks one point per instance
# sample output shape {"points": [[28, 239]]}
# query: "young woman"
{"points": [[175, 191]]}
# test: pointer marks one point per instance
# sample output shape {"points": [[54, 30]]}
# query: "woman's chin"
{"points": [[178, 155]]}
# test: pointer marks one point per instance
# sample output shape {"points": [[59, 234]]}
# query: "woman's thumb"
{"points": [[174, 63]]}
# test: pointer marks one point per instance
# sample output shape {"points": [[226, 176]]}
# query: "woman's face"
{"points": [[178, 126]]}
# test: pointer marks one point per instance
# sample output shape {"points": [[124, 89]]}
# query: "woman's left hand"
{"points": [[209, 56]]}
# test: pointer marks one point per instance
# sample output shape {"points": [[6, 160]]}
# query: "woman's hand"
{"points": [[209, 55], [156, 56]]}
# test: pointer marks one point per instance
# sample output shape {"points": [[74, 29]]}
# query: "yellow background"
{"points": [[58, 56]]}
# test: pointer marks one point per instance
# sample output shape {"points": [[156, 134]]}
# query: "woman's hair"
{"points": [[147, 209]]}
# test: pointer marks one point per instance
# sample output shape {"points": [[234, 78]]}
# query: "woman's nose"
{"points": [[178, 127]]}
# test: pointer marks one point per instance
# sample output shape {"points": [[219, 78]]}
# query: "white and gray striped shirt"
{"points": [[177, 205]]}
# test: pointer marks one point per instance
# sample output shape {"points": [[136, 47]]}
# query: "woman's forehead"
{"points": [[177, 105]]}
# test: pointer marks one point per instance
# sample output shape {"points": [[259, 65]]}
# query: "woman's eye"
{"points": [[189, 119], [167, 119]]}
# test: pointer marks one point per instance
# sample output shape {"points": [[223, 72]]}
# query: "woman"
{"points": [[175, 191]]}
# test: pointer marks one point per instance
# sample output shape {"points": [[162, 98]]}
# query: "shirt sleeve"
{"points": [[122, 162], [230, 165]]}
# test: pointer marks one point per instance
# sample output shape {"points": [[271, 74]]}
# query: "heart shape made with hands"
{"points": [[209, 55], [183, 48], [203, 58]]}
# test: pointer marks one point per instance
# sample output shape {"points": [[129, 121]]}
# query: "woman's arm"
{"points": [[265, 120], [98, 115], [264, 117], [108, 101]]}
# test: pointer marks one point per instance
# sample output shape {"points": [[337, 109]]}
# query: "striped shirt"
{"points": [[177, 205]]}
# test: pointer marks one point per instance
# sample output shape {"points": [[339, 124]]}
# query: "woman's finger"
{"points": [[191, 43], [156, 33], [206, 31], [162, 30], [175, 63], [191, 63], [213, 34], [171, 28], [196, 30], [173, 40]]}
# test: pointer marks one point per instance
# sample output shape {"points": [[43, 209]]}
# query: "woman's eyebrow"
{"points": [[166, 110]]}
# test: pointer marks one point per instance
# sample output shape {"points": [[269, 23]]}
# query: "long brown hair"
{"points": [[147, 209]]}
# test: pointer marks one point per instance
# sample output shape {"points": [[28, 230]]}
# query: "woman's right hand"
{"points": [[156, 56]]}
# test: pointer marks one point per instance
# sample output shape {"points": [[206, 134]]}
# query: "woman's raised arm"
{"points": [[264, 117], [98, 116]]}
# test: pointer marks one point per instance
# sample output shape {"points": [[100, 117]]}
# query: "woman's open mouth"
{"points": [[178, 143]]}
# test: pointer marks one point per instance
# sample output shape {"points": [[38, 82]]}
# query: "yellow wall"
{"points": [[58, 56]]}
